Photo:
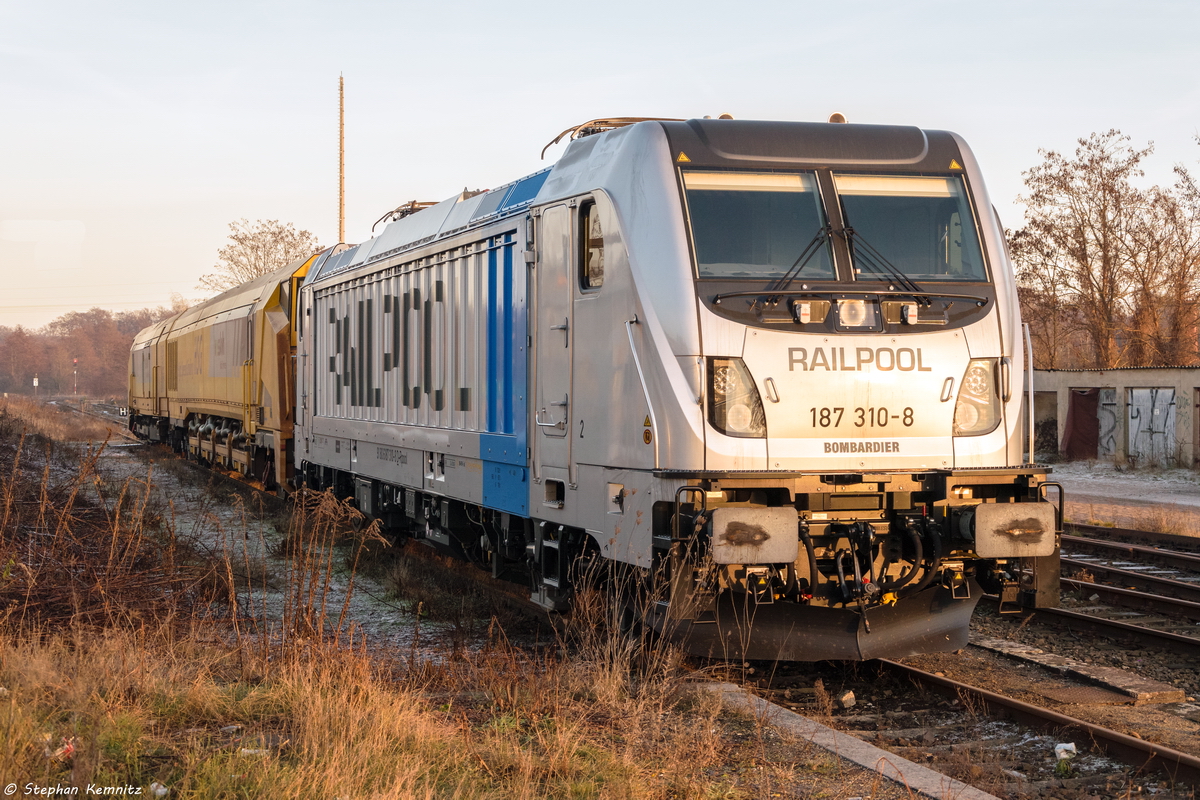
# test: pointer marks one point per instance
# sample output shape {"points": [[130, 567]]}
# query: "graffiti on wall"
{"points": [[1106, 417], [1152, 426]]}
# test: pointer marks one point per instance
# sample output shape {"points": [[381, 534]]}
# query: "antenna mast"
{"points": [[341, 159]]}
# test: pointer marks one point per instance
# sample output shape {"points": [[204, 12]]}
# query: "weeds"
{"points": [[130, 655], [57, 423], [77, 550]]}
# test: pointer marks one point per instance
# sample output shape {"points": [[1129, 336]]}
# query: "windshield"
{"points": [[919, 226], [758, 225]]}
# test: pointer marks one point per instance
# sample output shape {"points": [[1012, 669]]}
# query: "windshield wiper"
{"points": [[780, 284], [862, 251]]}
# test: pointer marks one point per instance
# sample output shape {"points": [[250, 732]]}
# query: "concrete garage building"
{"points": [[1143, 415]]}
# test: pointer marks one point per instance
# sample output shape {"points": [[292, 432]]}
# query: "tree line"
{"points": [[90, 349]]}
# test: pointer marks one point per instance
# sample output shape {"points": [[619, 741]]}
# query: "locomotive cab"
{"points": [[865, 363]]}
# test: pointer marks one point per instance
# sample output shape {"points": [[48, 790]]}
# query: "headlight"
{"points": [[734, 407], [858, 315], [978, 409]]}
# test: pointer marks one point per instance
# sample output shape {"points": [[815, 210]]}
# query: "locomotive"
{"points": [[769, 372]]}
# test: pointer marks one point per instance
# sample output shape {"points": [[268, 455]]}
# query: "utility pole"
{"points": [[341, 158]]}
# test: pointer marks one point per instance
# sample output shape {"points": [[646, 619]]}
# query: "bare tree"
{"points": [[1082, 221], [1042, 289], [1109, 272], [257, 250], [1173, 240]]}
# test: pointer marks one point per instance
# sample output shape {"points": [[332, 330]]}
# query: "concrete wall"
{"points": [[1149, 427]]}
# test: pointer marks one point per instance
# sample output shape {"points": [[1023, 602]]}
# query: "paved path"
{"points": [[1167, 501]]}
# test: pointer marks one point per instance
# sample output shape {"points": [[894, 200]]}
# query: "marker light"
{"points": [[978, 409], [734, 405]]}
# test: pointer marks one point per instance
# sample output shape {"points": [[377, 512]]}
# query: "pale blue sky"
{"points": [[132, 133]]}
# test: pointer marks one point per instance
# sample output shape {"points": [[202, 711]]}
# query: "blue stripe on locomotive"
{"points": [[503, 447]]}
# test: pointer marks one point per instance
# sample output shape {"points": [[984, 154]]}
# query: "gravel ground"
{"points": [[1175, 725], [230, 522]]}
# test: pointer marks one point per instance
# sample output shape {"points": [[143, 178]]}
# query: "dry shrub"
{"points": [[57, 422], [822, 700], [74, 548], [1168, 519], [119, 652]]}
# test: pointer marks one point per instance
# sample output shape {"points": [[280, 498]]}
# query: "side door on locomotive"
{"points": [[552, 337]]}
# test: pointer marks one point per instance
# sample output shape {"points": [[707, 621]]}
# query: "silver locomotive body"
{"points": [[772, 369]]}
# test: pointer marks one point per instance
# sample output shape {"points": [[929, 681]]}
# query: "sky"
{"points": [[133, 133]]}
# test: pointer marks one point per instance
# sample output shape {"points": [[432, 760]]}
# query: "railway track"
{"points": [[1190, 544], [1000, 744], [1132, 585], [997, 744], [1139, 754], [106, 412], [1114, 607]]}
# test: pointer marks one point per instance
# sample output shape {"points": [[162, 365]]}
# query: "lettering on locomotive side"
{"points": [[862, 447], [407, 326], [391, 455], [837, 359], [352, 362]]}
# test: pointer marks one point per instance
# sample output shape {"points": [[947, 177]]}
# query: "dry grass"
{"points": [[143, 707], [75, 549], [60, 424], [1169, 519], [115, 670]]}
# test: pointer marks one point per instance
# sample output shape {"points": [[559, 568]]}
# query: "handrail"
{"points": [[248, 423], [637, 362], [1029, 371]]}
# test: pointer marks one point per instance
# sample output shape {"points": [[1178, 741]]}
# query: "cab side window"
{"points": [[591, 256]]}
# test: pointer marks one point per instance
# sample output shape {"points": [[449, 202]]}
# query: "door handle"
{"points": [[565, 328], [537, 420]]}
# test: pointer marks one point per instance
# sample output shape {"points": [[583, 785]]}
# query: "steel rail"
{"points": [[1182, 590], [1169, 539], [1083, 623], [1138, 753], [1171, 558], [1142, 601], [117, 423]]}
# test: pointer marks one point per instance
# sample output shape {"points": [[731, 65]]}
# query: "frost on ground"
{"points": [[1098, 492], [280, 592]]}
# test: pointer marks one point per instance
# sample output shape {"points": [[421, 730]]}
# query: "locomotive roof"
{"points": [[743, 144], [444, 218], [731, 144], [240, 298]]}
